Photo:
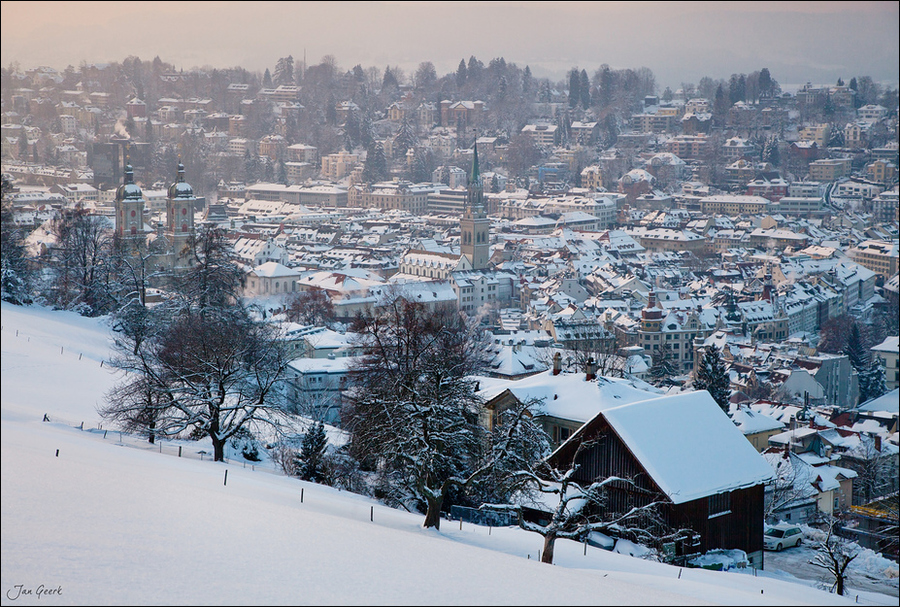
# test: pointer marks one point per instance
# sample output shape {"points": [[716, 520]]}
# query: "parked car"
{"points": [[782, 536]]}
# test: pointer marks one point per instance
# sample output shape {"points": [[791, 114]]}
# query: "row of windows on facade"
{"points": [[277, 284]]}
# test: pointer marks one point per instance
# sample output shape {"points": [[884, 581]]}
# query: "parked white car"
{"points": [[782, 536]]}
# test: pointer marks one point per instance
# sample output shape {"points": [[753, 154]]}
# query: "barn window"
{"points": [[719, 504]]}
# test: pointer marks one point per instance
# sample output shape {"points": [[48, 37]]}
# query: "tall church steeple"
{"points": [[180, 204], [129, 206], [474, 225]]}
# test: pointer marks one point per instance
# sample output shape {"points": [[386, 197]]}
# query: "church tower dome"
{"points": [[180, 189], [180, 207], [129, 206]]}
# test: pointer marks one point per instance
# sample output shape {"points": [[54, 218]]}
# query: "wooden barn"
{"points": [[686, 451]]}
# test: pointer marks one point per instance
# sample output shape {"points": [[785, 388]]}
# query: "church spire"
{"points": [[475, 193], [476, 172]]}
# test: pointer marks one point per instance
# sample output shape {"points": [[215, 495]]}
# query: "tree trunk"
{"points": [[218, 449], [549, 543], [433, 514], [839, 582]]}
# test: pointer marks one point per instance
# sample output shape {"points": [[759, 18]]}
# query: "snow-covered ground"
{"points": [[92, 520]]}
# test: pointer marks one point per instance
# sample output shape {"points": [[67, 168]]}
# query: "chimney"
{"points": [[557, 363], [590, 370]]}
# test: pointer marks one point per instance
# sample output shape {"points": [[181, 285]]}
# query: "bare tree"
{"points": [[79, 261], [834, 555], [792, 485], [581, 509], [312, 307], [413, 412], [215, 373]]}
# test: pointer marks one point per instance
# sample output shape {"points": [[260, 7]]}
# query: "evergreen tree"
{"points": [[871, 381], [527, 81], [461, 74], [720, 106], [574, 87], [15, 273], [406, 137], [375, 168], [267, 79], [309, 461], [856, 351], [663, 368], [712, 376], [284, 71], [584, 88], [389, 81], [474, 71], [770, 152], [765, 83]]}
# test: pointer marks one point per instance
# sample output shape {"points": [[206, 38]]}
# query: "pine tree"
{"points": [[461, 74], [15, 270], [527, 82], [871, 381], [312, 450], [375, 168], [584, 87], [856, 350], [574, 87], [663, 368], [712, 376], [284, 71], [406, 137]]}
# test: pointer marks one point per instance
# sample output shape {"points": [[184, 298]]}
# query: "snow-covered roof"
{"points": [[570, 396], [890, 344], [273, 269], [688, 446], [749, 421], [886, 402]]}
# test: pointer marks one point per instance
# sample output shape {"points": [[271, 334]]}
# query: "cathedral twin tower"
{"points": [[180, 206]]}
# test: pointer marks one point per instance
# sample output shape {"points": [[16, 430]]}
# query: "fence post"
{"points": [[371, 514], [104, 434], [301, 495], [226, 478], [179, 450]]}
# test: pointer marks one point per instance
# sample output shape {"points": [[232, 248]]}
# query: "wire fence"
{"points": [[176, 448]]}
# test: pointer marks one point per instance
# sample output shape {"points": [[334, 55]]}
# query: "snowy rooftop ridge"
{"points": [[688, 446]]}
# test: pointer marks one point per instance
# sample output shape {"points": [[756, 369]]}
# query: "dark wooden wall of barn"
{"points": [[741, 528]]}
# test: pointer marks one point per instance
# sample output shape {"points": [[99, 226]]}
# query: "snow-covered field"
{"points": [[90, 520]]}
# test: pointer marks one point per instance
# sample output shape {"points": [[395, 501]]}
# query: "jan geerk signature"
{"points": [[20, 590]]}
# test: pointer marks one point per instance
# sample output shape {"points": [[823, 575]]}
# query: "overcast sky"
{"points": [[679, 41]]}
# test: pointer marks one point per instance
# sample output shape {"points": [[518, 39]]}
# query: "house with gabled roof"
{"points": [[683, 450], [563, 401]]}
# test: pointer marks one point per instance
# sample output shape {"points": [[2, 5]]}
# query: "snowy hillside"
{"points": [[105, 523]]}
